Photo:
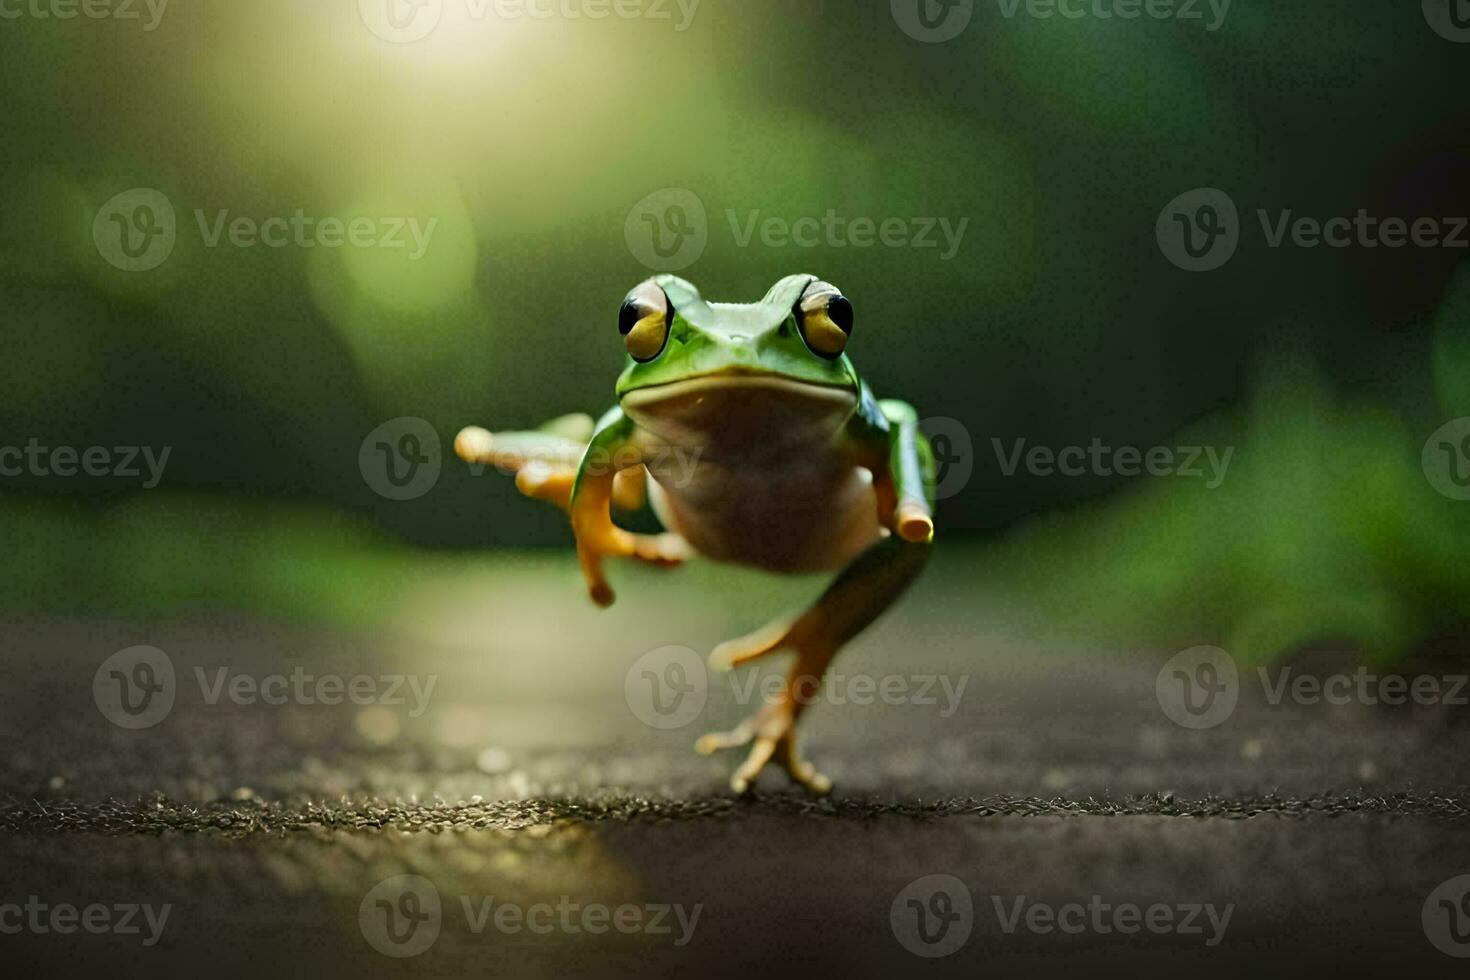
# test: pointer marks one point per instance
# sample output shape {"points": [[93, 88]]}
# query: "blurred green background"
{"points": [[529, 140]]}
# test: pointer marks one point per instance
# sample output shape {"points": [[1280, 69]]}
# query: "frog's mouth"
{"points": [[736, 410]]}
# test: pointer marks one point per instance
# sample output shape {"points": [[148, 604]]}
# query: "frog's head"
{"points": [[729, 372]]}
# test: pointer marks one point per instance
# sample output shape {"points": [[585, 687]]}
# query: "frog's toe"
{"points": [[801, 771], [542, 481], [752, 646], [760, 754], [773, 732], [712, 742], [782, 749], [667, 549]]}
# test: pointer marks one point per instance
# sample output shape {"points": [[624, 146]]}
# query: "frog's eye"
{"points": [[825, 318], [644, 321]]}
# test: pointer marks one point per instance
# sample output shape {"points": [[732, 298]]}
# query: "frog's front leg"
{"points": [[859, 595], [545, 460], [612, 452]]}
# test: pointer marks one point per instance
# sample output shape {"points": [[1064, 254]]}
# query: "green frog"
{"points": [[748, 432]]}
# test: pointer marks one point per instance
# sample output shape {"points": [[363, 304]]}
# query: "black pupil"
{"points": [[840, 311], [628, 316]]}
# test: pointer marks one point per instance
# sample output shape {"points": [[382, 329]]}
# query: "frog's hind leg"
{"points": [[903, 466], [859, 595]]}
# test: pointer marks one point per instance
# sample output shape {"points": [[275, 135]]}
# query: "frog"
{"points": [[748, 433]]}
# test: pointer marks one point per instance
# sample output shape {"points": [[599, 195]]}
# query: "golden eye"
{"points": [[825, 317], [644, 321]]}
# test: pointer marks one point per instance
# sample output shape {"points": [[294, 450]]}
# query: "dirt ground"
{"points": [[1043, 781]]}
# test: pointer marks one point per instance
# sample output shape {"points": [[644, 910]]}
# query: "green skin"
{"points": [[797, 467], [763, 339], [699, 341]]}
